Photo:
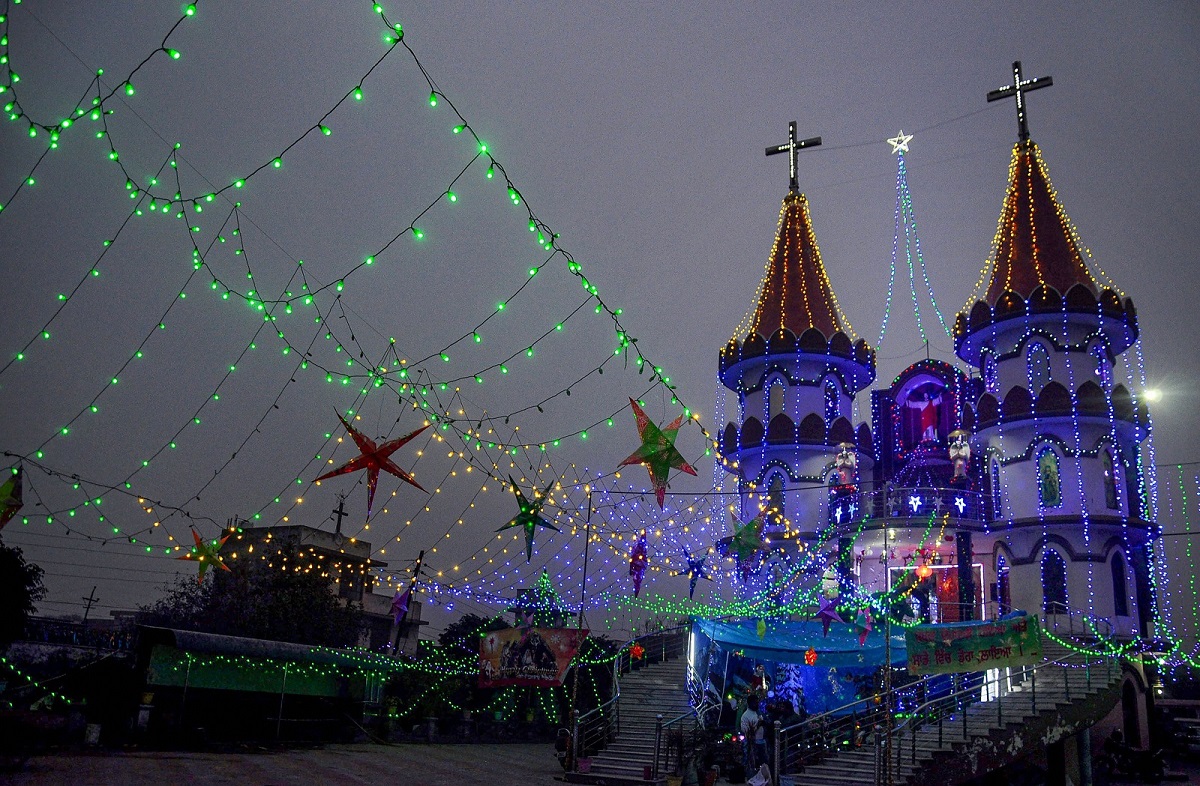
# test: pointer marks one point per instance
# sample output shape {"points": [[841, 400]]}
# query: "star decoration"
{"points": [[657, 451], [530, 516], [863, 623], [761, 629], [900, 142], [961, 504], [747, 543], [373, 458], [637, 651], [696, 570], [205, 554], [810, 657], [400, 604], [914, 502], [637, 564], [10, 496], [827, 614]]}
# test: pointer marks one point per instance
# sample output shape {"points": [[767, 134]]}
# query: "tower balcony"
{"points": [[906, 507]]}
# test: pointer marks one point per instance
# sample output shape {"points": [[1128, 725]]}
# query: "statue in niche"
{"points": [[925, 408], [845, 464]]}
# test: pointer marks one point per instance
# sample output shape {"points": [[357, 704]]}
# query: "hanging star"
{"points": [[400, 604], [696, 570], [810, 657], [900, 142], [205, 554], [637, 651], [747, 543], [657, 451], [637, 563], [863, 623], [761, 629], [373, 458], [827, 614], [10, 495], [530, 516]]}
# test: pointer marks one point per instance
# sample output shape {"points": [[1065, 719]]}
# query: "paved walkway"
{"points": [[336, 765]]}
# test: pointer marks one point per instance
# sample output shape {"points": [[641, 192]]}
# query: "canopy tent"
{"points": [[787, 641]]}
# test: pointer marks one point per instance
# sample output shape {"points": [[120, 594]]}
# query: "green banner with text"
{"points": [[974, 646]]}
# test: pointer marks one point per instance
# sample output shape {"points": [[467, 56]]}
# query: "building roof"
{"points": [[1035, 243], [795, 292]]}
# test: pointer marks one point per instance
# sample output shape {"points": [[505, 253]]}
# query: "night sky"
{"points": [[634, 131]]}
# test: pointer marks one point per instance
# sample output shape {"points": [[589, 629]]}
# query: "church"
{"points": [[1011, 479]]}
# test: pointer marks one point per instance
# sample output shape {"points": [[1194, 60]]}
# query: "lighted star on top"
{"points": [[657, 451], [373, 458], [529, 517], [900, 142], [205, 553]]}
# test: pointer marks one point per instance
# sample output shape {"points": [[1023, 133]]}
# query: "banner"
{"points": [[527, 656], [1013, 640]]}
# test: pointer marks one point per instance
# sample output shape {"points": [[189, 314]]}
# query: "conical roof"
{"points": [[795, 292], [1035, 243]]}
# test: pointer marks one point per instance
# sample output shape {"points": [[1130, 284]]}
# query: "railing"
{"points": [[594, 729], [1061, 619], [946, 712], [896, 502], [814, 738], [675, 741]]}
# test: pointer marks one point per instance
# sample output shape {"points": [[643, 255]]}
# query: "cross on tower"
{"points": [[793, 148], [1019, 88]]}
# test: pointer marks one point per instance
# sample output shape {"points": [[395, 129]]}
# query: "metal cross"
{"points": [[793, 148], [1019, 88]]}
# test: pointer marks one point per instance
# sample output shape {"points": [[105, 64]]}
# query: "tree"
{"points": [[461, 637], [261, 602], [20, 588]]}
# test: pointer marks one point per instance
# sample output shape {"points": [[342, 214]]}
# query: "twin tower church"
{"points": [[1016, 479]]}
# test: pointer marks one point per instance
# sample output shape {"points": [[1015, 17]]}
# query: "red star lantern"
{"points": [[810, 657], [637, 651], [373, 458]]}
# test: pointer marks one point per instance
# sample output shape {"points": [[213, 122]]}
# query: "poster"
{"points": [[1012, 640], [527, 656]]}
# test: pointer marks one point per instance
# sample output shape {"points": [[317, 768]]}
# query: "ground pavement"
{"points": [[335, 765]]}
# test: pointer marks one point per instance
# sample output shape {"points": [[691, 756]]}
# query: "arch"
{"points": [[1017, 404], [1080, 298], [812, 429], [841, 431], [753, 346], [1120, 585], [1054, 582], [981, 316], [1110, 304], [1109, 468], [989, 409], [840, 345], [960, 325], [1054, 400], [1010, 304], [776, 511], [1049, 480], [782, 342], [729, 439], [780, 430], [813, 340], [775, 391], [1091, 399], [1037, 366], [863, 439], [752, 432], [1044, 299], [1122, 403], [864, 354], [833, 404], [968, 417]]}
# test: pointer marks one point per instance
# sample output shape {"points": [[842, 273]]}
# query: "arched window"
{"points": [[1120, 591], [1049, 487], [775, 505], [1110, 481], [1038, 364], [832, 408], [1054, 582], [991, 377], [997, 506], [774, 399], [1003, 588], [1103, 369]]}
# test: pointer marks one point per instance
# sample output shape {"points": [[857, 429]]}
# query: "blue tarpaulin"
{"points": [[786, 642]]}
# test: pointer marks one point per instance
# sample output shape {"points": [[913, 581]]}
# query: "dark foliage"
{"points": [[20, 590]]}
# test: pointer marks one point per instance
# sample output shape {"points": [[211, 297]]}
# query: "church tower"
{"points": [[795, 373], [1057, 437]]}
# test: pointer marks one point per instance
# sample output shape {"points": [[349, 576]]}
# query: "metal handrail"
{"points": [[1091, 622], [621, 664]]}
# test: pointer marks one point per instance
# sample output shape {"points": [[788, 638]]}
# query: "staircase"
{"points": [[653, 692], [954, 744]]}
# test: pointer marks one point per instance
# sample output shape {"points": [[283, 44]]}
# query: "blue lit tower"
{"points": [[1057, 439], [795, 371]]}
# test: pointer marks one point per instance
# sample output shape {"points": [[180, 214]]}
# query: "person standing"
{"points": [[754, 737]]}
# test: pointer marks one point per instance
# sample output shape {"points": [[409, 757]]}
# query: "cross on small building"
{"points": [[793, 148], [1019, 88]]}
